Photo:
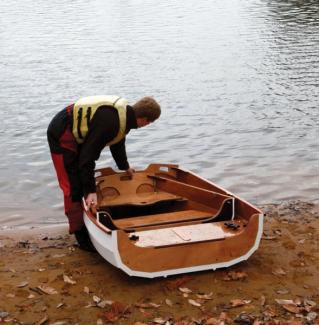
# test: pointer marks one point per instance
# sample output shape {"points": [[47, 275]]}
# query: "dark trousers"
{"points": [[64, 152]]}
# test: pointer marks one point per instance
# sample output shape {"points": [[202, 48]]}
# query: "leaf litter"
{"points": [[68, 279], [46, 289], [234, 276]]}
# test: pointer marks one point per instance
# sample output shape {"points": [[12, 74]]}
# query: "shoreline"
{"points": [[62, 220], [46, 279]]}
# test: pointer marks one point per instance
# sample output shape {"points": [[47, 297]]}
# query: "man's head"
{"points": [[147, 110]]}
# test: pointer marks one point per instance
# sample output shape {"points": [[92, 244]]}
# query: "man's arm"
{"points": [[118, 151]]}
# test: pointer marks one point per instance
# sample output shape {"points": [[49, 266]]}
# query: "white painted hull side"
{"points": [[105, 244], [107, 247]]}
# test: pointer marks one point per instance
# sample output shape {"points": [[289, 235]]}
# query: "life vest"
{"points": [[85, 108]]}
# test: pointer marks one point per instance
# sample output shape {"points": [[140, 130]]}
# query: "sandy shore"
{"points": [[46, 279]]}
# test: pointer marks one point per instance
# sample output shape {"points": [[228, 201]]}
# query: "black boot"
{"points": [[83, 239]]}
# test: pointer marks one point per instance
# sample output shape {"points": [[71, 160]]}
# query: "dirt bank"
{"points": [[46, 279]]}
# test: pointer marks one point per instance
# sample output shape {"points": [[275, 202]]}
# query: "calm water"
{"points": [[237, 80]]}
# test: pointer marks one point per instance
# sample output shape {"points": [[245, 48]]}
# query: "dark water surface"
{"points": [[237, 80]]}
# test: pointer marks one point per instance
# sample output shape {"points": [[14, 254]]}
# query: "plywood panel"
{"points": [[162, 218], [180, 256]]}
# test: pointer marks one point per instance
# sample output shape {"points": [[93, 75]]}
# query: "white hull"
{"points": [[107, 246]]}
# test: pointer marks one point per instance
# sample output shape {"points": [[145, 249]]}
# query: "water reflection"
{"points": [[238, 82]]}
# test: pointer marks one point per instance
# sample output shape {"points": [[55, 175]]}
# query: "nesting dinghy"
{"points": [[165, 220]]}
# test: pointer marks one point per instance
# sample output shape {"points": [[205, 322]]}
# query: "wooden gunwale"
{"points": [[244, 209], [93, 219]]}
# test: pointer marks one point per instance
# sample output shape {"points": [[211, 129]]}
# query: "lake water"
{"points": [[237, 81]]}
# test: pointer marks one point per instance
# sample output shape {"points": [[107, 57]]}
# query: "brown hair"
{"points": [[147, 107]]}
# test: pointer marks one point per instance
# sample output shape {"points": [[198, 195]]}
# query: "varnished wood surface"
{"points": [[142, 199], [200, 195], [163, 218], [181, 256]]}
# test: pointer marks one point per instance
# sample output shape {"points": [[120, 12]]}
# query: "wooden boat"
{"points": [[165, 220]]}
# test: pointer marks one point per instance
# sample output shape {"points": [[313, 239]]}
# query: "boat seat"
{"points": [[132, 223]]}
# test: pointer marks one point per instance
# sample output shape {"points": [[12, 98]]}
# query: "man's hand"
{"points": [[130, 171], [91, 200]]}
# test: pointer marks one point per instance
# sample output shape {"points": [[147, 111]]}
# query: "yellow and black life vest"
{"points": [[85, 108]]}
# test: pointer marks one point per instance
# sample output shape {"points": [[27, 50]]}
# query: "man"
{"points": [[76, 137]]}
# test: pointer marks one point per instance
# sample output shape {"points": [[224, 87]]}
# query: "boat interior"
{"points": [[161, 196]]}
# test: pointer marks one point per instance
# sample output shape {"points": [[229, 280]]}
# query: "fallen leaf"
{"points": [[169, 302], [96, 299], [279, 271], [258, 322], [282, 291], [174, 284], [185, 290], [309, 305], [105, 303], [10, 295], [235, 276], [60, 305], [290, 305], [285, 302], [110, 316], [117, 310], [269, 312], [145, 313], [205, 296], [43, 320], [194, 303], [293, 309], [295, 321], [159, 320], [311, 316], [22, 284], [67, 279], [46, 289], [147, 305], [213, 321], [239, 302]]}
